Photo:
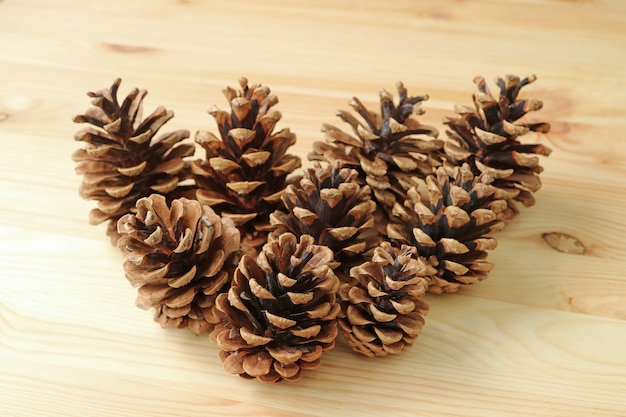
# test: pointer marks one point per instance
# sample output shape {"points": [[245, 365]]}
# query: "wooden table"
{"points": [[545, 335]]}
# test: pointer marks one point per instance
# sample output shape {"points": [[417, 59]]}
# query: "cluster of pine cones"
{"points": [[274, 263]]}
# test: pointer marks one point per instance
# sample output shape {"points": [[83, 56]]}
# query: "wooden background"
{"points": [[544, 336]]}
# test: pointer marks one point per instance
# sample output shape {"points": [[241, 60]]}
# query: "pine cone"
{"points": [[383, 313], [451, 232], [487, 137], [244, 172], [279, 312], [387, 148], [179, 258], [332, 207], [122, 160]]}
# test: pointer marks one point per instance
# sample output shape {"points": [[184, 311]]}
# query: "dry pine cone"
{"points": [[332, 207], [451, 231], [383, 311], [389, 149], [123, 160], [487, 137], [279, 314], [179, 259], [244, 172]]}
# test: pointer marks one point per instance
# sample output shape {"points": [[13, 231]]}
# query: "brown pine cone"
{"points": [[451, 231], [123, 160], [244, 172], [279, 314], [487, 137], [389, 149], [179, 258], [383, 311], [331, 206]]}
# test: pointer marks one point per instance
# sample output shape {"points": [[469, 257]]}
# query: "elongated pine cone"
{"points": [[280, 312], [487, 136], [453, 230], [383, 312], [179, 258], [244, 172], [389, 149], [331, 206], [123, 160]]}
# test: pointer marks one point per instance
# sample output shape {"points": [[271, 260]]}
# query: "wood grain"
{"points": [[545, 335]]}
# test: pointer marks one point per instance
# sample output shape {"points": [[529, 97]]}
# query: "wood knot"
{"points": [[564, 242], [3, 115]]}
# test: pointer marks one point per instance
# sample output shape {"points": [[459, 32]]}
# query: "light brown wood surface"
{"points": [[545, 335]]}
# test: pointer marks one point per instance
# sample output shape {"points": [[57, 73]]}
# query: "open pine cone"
{"points": [[244, 172], [487, 137], [383, 311], [389, 149], [331, 206], [451, 231], [179, 258], [279, 314], [122, 160]]}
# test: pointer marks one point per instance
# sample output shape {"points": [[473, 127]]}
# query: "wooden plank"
{"points": [[545, 335]]}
